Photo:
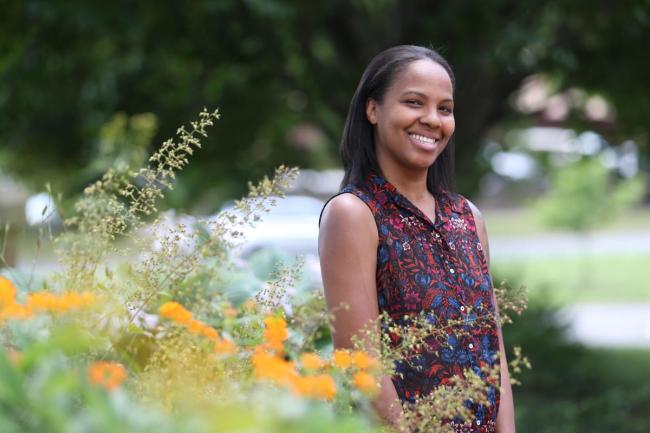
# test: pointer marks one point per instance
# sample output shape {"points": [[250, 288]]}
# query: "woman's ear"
{"points": [[371, 111]]}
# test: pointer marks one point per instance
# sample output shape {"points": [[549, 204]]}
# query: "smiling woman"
{"points": [[414, 121], [398, 240]]}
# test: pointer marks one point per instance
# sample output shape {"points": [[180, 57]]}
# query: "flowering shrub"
{"points": [[138, 333]]}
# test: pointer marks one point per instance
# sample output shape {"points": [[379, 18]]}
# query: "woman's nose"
{"points": [[431, 118]]}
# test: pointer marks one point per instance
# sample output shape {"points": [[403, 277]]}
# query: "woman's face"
{"points": [[415, 120]]}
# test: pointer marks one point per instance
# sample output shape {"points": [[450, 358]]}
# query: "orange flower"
{"points": [[54, 303], [366, 383], [179, 314], [175, 311], [230, 312], [364, 361], [270, 367], [276, 332], [15, 310], [106, 374], [7, 292], [225, 347], [14, 356], [209, 332], [197, 327], [341, 358], [249, 305], [311, 361], [321, 386]]}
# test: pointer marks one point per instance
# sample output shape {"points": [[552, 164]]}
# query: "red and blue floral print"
{"points": [[437, 269]]}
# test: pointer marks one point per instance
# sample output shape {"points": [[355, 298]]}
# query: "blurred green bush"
{"points": [[572, 388]]}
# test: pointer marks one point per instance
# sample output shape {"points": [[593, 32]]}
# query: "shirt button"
{"points": [[452, 270], [478, 422], [462, 308], [471, 346]]}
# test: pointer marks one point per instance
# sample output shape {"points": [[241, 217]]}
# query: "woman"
{"points": [[396, 239]]}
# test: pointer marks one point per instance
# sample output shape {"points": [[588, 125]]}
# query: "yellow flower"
{"points": [[175, 311], [109, 375], [364, 361], [366, 383], [320, 386], [276, 332], [341, 358], [311, 361]]}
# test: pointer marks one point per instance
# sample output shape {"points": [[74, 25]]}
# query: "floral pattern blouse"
{"points": [[437, 269]]}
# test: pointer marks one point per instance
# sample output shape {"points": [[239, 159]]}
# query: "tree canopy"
{"points": [[282, 73]]}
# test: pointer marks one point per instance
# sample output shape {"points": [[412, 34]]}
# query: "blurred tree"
{"points": [[283, 72], [584, 196]]}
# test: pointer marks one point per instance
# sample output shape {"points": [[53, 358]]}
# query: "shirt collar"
{"points": [[393, 194]]}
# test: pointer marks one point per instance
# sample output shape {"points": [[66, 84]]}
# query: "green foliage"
{"points": [[583, 196], [123, 143], [572, 388], [276, 65], [110, 319], [54, 395]]}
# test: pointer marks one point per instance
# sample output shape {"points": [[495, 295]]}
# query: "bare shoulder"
{"points": [[347, 249], [348, 213]]}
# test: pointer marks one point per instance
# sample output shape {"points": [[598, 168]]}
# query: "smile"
{"points": [[423, 140]]}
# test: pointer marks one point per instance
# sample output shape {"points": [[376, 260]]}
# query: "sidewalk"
{"points": [[568, 244], [609, 325]]}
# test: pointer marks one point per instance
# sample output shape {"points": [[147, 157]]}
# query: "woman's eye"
{"points": [[446, 109], [413, 102]]}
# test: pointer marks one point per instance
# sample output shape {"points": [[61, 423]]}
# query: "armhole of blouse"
{"points": [[479, 245], [357, 196]]}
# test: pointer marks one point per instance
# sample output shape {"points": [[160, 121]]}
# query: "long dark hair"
{"points": [[358, 143]]}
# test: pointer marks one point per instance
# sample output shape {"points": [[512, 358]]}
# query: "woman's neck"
{"points": [[410, 183]]}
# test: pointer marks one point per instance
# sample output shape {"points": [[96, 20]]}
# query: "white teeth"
{"points": [[424, 139]]}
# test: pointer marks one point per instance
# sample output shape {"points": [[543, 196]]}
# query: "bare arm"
{"points": [[347, 245], [506, 416]]}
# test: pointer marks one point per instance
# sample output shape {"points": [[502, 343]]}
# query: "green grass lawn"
{"points": [[574, 278], [592, 278], [523, 221]]}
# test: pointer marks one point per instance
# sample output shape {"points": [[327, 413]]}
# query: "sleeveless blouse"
{"points": [[437, 269]]}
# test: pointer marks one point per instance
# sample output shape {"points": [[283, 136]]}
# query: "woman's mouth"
{"points": [[424, 142]]}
